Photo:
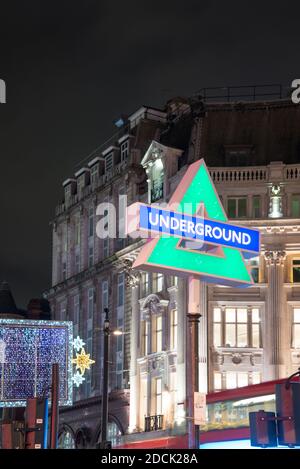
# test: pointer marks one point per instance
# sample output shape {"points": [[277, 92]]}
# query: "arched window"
{"points": [[66, 440], [113, 433]]}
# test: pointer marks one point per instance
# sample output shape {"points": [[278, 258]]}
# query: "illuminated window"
{"points": [[157, 333], [254, 266], [296, 270], [296, 328], [173, 381], [236, 327], [158, 396], [145, 337], [295, 201], [236, 379], [217, 381], [256, 377], [230, 380], [173, 281], [124, 150], [217, 327], [237, 207], [145, 284], [173, 332], [157, 282], [255, 328], [143, 400], [256, 206], [157, 181]]}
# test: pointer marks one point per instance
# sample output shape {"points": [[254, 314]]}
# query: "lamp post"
{"points": [[104, 417]]}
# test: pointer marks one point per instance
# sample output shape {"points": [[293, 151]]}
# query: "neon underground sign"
{"points": [[191, 236]]}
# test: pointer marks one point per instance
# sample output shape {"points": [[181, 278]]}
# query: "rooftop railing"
{"points": [[288, 172]]}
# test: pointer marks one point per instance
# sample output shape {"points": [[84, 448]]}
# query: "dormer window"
{"points": [[109, 156], [96, 169], [160, 163], [68, 192], [157, 181], [124, 150], [80, 182], [109, 162], [69, 189], [82, 179], [94, 174]]}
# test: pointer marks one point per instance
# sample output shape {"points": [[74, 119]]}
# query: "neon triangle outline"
{"points": [[155, 248]]}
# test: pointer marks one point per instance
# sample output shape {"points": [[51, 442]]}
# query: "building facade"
{"points": [[246, 336]]}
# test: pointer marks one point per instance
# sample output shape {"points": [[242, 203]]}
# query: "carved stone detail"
{"points": [[275, 257], [132, 277]]}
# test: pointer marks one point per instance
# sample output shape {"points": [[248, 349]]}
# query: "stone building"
{"points": [[252, 150]]}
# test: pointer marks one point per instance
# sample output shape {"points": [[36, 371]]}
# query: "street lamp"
{"points": [[104, 444]]}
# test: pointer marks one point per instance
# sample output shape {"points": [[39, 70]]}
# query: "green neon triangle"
{"points": [[230, 269]]}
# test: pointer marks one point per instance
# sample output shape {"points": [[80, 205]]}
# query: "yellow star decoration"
{"points": [[82, 361]]}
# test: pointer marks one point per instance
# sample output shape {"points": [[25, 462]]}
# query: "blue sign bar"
{"points": [[198, 229]]}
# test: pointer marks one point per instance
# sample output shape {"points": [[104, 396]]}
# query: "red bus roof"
{"points": [[267, 387]]}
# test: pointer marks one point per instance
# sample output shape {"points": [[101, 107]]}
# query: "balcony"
{"points": [[229, 175], [153, 423], [274, 172]]}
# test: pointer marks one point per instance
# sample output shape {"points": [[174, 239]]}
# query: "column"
{"points": [[273, 333], [132, 281], [181, 352], [203, 327]]}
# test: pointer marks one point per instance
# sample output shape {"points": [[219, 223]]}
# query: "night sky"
{"points": [[72, 67]]}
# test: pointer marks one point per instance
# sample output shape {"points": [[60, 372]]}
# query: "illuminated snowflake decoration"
{"points": [[78, 379], [78, 344], [82, 361]]}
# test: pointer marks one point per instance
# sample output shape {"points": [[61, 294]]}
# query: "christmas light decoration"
{"points": [[83, 361], [28, 350], [78, 344], [78, 379]]}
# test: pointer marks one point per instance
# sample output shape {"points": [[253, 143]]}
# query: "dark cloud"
{"points": [[72, 67]]}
